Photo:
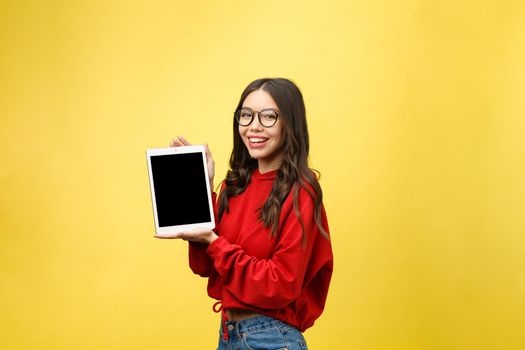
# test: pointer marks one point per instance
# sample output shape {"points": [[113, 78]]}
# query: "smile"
{"points": [[257, 141]]}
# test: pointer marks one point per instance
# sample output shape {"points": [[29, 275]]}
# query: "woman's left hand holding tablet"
{"points": [[197, 235]]}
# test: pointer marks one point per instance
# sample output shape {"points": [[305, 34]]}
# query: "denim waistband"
{"points": [[236, 328]]}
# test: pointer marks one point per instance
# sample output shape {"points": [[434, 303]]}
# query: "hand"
{"points": [[197, 235], [181, 141]]}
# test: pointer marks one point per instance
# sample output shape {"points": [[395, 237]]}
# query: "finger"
{"points": [[185, 235], [193, 234], [168, 236], [208, 152], [177, 143], [184, 141]]}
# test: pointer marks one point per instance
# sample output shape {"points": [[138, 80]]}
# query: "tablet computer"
{"points": [[180, 190]]}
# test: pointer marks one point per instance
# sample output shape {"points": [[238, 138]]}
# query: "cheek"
{"points": [[279, 136], [281, 140], [242, 134]]}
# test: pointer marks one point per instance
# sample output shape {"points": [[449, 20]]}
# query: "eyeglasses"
{"points": [[267, 117]]}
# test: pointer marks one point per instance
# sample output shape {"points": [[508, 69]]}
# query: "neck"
{"points": [[266, 165]]}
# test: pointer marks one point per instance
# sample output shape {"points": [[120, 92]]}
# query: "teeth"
{"points": [[257, 140]]}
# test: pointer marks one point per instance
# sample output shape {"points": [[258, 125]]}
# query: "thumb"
{"points": [[208, 152]]}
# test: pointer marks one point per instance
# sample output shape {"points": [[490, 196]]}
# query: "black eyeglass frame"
{"points": [[237, 116]]}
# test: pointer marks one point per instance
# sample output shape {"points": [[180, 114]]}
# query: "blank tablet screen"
{"points": [[180, 189]]}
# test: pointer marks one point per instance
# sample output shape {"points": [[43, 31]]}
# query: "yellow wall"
{"points": [[417, 118]]}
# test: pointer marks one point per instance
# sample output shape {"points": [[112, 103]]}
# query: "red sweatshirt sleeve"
{"points": [[275, 282], [200, 262]]}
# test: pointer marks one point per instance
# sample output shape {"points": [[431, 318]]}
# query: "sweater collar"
{"points": [[270, 175]]}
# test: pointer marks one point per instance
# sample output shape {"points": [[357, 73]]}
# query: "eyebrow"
{"points": [[266, 108]]}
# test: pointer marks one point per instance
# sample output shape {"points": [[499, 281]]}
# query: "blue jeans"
{"points": [[260, 333]]}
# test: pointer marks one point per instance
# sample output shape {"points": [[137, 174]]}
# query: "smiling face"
{"points": [[263, 144]]}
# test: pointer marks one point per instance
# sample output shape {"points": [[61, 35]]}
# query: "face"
{"points": [[263, 143]]}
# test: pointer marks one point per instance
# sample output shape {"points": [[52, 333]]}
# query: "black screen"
{"points": [[180, 189]]}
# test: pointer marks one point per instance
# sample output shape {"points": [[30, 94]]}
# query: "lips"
{"points": [[257, 142]]}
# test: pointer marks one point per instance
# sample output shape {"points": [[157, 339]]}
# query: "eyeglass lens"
{"points": [[267, 117]]}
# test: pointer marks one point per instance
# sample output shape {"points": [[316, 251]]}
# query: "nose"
{"points": [[256, 125]]}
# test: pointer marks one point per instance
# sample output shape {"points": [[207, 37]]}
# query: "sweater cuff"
{"points": [[215, 247]]}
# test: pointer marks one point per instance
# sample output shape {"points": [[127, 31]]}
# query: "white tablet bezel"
{"points": [[179, 150]]}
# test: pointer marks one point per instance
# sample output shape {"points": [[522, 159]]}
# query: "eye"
{"points": [[245, 115], [270, 116]]}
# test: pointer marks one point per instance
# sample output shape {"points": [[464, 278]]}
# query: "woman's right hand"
{"points": [[181, 141]]}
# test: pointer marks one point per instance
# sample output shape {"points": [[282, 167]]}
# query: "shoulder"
{"points": [[309, 186], [305, 195]]}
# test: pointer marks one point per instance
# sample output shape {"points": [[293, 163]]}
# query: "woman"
{"points": [[269, 261]]}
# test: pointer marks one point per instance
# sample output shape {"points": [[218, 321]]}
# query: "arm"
{"points": [[275, 282]]}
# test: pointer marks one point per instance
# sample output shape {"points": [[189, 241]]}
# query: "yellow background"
{"points": [[417, 117]]}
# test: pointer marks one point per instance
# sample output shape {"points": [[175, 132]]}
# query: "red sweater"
{"points": [[277, 277]]}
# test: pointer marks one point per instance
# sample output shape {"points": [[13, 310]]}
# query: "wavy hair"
{"points": [[294, 172]]}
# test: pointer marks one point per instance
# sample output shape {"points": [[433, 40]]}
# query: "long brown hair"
{"points": [[293, 173]]}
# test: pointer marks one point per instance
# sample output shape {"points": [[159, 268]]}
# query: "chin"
{"points": [[257, 155]]}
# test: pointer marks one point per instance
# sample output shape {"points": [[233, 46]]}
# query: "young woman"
{"points": [[269, 261]]}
